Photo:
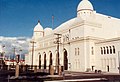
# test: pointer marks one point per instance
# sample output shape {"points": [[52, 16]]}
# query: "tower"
{"points": [[38, 31]]}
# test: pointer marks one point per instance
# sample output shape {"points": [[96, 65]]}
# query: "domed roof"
{"points": [[38, 27], [85, 5], [48, 31], [64, 25]]}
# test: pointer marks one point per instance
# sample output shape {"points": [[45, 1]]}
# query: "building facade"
{"points": [[90, 41]]}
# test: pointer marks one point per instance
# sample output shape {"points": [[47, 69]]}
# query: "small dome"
{"points": [[85, 5], [38, 27], [48, 31]]}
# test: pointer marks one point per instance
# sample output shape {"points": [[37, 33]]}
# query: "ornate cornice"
{"points": [[108, 40]]}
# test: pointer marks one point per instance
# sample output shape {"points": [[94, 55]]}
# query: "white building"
{"points": [[89, 41]]}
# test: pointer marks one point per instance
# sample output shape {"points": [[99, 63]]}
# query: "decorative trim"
{"points": [[108, 40], [84, 9], [39, 31]]}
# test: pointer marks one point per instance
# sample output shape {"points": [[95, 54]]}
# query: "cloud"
{"points": [[19, 43]]}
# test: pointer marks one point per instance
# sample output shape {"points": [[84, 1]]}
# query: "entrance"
{"points": [[39, 61], [50, 58], [65, 60], [44, 60]]}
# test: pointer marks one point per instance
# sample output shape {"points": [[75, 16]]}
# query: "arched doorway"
{"points": [[50, 63], [44, 60], [39, 61], [65, 60]]}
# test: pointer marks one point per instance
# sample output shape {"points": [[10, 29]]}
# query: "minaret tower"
{"points": [[38, 31]]}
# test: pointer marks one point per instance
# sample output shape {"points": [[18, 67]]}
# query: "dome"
{"points": [[85, 5], [48, 31], [38, 27]]}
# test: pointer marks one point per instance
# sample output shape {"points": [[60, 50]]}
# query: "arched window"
{"points": [[104, 50], [92, 51], [114, 49], [101, 50], [110, 49], [75, 51], [107, 50], [78, 51]]}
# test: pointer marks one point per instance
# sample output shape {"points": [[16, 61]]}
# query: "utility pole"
{"points": [[57, 55], [52, 21], [33, 43]]}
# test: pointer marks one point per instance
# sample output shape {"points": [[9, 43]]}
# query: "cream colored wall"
{"points": [[107, 59], [90, 56], [77, 32]]}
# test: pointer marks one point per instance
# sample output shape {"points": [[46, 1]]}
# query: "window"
{"points": [[104, 50], [78, 51], [75, 51], [107, 50], [101, 50], [110, 50], [114, 49], [92, 51]]}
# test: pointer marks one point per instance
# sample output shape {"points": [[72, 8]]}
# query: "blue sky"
{"points": [[18, 17]]}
